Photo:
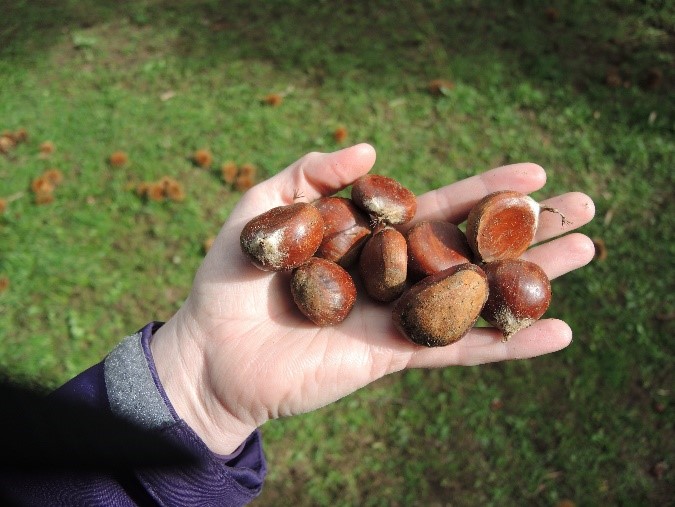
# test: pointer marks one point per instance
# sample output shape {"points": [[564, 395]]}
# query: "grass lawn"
{"points": [[584, 89]]}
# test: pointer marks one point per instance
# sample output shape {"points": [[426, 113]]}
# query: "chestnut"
{"points": [[323, 291], [502, 225], [435, 245], [383, 264], [520, 293], [345, 230], [443, 307], [384, 198], [284, 237]]}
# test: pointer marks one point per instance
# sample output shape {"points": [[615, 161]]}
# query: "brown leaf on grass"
{"points": [[142, 189], [41, 185], [228, 171], [246, 177], [248, 169], [173, 189], [167, 95], [47, 148], [439, 87], [244, 182], [600, 249], [17, 137], [6, 143], [340, 134], [44, 185], [155, 192], [44, 197], [118, 159], [202, 158], [4, 283], [273, 99], [53, 176], [20, 136], [3, 205], [164, 188]]}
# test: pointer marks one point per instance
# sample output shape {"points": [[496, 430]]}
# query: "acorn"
{"points": [[284, 237], [502, 225], [345, 230], [384, 199], [441, 308], [520, 293], [383, 264], [435, 245], [323, 291]]}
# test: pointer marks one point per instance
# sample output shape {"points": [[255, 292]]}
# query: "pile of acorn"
{"points": [[442, 278]]}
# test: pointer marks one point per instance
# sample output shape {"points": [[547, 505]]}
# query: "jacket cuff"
{"points": [[136, 394]]}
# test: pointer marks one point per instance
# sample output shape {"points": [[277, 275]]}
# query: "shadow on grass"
{"points": [[613, 43]]}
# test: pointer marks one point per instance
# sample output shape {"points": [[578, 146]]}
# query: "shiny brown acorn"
{"points": [[345, 230], [520, 293], [284, 237], [435, 245], [383, 264], [441, 308], [502, 225], [384, 199], [323, 291]]}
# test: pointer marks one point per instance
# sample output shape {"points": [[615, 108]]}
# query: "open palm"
{"points": [[239, 352]]}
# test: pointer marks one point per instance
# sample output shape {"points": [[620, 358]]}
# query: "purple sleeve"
{"points": [[126, 384]]}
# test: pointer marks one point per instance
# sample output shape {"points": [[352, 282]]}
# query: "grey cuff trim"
{"points": [[132, 392]]}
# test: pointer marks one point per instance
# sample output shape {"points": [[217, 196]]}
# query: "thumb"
{"points": [[313, 176]]}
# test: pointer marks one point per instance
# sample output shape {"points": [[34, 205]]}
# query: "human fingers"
{"points": [[453, 202], [562, 214], [485, 345], [312, 176], [562, 255]]}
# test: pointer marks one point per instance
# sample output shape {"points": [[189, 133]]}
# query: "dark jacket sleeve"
{"points": [[126, 384]]}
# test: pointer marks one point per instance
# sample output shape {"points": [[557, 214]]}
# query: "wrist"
{"points": [[180, 363]]}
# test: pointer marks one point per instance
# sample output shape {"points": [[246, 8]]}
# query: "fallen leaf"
{"points": [[440, 86], [167, 95], [118, 158], [273, 99], [600, 249], [228, 171], [202, 158], [340, 134], [47, 147]]}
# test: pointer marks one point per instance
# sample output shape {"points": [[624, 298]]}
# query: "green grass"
{"points": [[99, 262]]}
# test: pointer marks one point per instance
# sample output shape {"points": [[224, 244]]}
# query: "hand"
{"points": [[238, 352]]}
